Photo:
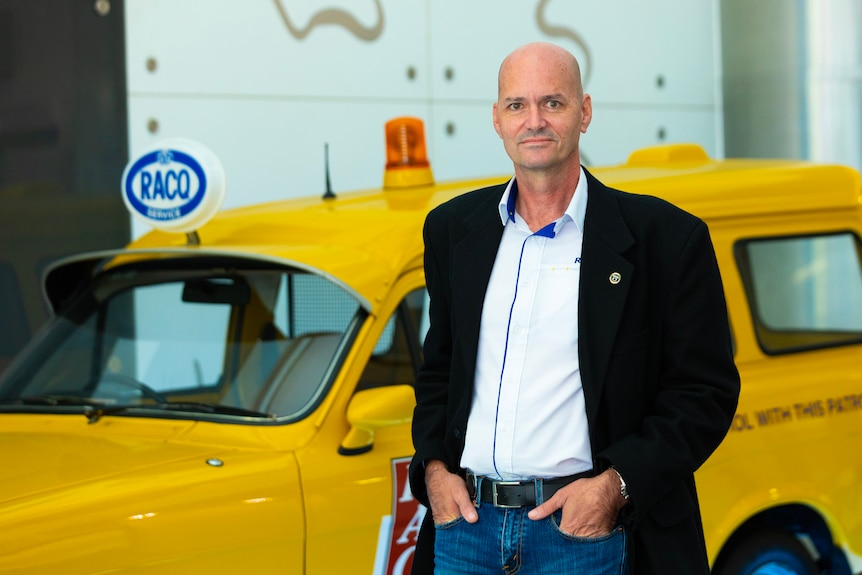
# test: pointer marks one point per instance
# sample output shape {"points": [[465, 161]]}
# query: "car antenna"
{"points": [[329, 194]]}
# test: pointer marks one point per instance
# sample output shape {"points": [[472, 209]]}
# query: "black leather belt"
{"points": [[516, 494]]}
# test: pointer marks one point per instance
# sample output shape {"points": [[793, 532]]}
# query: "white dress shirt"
{"points": [[528, 417]]}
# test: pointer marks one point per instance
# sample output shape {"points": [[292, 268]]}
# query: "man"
{"points": [[578, 366]]}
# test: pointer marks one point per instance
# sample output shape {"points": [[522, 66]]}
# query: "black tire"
{"points": [[771, 552]]}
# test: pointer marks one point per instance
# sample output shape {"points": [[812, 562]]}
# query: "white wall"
{"points": [[266, 98], [793, 79], [834, 81]]}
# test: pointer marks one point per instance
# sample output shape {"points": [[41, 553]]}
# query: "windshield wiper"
{"points": [[218, 408], [185, 406], [94, 410], [52, 399]]}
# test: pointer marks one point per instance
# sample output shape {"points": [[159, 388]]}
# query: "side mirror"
{"points": [[373, 409]]}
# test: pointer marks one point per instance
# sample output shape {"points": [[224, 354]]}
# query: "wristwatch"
{"points": [[623, 489]]}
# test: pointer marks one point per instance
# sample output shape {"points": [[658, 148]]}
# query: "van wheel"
{"points": [[770, 552]]}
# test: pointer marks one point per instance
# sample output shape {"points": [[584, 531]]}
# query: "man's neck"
{"points": [[542, 197]]}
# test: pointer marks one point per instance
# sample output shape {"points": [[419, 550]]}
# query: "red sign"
{"points": [[407, 515]]}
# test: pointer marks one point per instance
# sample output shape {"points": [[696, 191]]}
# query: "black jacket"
{"points": [[655, 354]]}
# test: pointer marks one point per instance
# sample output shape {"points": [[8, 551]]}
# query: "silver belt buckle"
{"points": [[494, 494]]}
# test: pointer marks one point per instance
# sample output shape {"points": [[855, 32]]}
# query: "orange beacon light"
{"points": [[406, 155]]}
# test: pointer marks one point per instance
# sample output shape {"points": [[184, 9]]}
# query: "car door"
{"points": [[360, 513]]}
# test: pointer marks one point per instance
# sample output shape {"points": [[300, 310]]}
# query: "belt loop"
{"points": [[540, 491], [474, 482]]}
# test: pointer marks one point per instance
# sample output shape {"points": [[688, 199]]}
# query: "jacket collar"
{"points": [[606, 275]]}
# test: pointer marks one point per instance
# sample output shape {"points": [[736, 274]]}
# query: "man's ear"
{"points": [[586, 113], [496, 121]]}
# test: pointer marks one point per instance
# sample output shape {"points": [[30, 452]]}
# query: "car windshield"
{"points": [[258, 344]]}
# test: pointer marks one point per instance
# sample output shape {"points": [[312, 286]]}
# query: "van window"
{"points": [[398, 352], [804, 292]]}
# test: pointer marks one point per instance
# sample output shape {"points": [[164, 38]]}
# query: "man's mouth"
{"points": [[529, 141], [533, 139]]}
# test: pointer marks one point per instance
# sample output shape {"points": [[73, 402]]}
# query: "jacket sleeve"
{"points": [[698, 383], [432, 380]]}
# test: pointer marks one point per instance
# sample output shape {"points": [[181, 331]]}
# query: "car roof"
{"points": [[364, 240]]}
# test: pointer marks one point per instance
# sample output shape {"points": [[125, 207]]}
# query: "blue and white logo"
{"points": [[176, 186]]}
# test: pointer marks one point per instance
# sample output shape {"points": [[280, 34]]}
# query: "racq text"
{"points": [[168, 186]]}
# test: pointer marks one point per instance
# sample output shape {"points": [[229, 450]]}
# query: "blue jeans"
{"points": [[506, 541]]}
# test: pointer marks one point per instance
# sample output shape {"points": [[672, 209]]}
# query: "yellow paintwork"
{"points": [[129, 495]]}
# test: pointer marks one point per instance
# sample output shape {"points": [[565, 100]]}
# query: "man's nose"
{"points": [[535, 118]]}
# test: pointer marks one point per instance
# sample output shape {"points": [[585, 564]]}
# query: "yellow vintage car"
{"points": [[234, 394]]}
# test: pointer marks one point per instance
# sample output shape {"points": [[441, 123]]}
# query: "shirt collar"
{"points": [[575, 211]]}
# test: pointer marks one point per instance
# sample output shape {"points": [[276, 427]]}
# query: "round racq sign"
{"points": [[176, 186]]}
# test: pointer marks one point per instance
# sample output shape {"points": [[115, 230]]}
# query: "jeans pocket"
{"points": [[556, 518], [603, 555], [449, 524]]}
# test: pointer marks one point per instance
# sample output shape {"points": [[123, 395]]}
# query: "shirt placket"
{"points": [[518, 336]]}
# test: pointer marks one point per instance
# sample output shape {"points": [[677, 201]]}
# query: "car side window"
{"points": [[804, 292], [398, 352]]}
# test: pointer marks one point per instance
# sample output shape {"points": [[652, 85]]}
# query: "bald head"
{"points": [[542, 55], [540, 113]]}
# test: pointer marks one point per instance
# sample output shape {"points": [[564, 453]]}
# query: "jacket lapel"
{"points": [[604, 284], [473, 259]]}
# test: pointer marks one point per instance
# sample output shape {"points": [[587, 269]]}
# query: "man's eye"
{"points": [[515, 106], [553, 104]]}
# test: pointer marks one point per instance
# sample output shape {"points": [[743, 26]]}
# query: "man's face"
{"points": [[539, 113]]}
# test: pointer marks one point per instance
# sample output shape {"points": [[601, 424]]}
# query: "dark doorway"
{"points": [[63, 146]]}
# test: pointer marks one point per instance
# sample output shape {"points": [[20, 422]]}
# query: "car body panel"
{"points": [[138, 495]]}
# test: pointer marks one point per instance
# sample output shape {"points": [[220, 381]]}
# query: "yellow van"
{"points": [[232, 392]]}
